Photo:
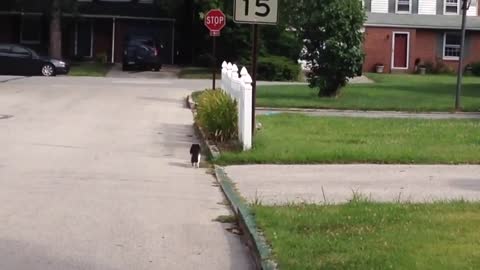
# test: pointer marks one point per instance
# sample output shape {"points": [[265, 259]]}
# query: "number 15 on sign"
{"points": [[256, 11]]}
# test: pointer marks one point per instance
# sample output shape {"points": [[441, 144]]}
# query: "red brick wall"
{"points": [[429, 48], [102, 38], [378, 47], [425, 45]]}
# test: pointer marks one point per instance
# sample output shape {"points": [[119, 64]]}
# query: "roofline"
{"points": [[105, 16], [21, 13], [99, 16], [418, 27]]}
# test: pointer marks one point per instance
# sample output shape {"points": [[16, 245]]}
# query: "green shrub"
{"points": [[438, 68], [101, 57], [204, 60], [277, 68], [475, 67], [217, 115]]}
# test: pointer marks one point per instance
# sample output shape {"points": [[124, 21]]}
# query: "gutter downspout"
{"points": [[173, 43]]}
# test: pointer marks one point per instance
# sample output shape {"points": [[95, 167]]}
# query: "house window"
{"points": [[30, 31], [451, 46], [404, 6], [452, 6]]}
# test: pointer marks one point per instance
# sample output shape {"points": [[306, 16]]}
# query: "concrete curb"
{"points": [[259, 249], [212, 150]]}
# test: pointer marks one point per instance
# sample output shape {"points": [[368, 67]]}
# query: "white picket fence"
{"points": [[239, 86]]}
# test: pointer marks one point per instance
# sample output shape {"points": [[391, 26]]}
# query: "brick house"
{"points": [[95, 29], [400, 34]]}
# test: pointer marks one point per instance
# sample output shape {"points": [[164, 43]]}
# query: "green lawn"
{"points": [[362, 235], [89, 69], [390, 92], [197, 73], [298, 139]]}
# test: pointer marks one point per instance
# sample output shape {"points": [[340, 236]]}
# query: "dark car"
{"points": [[20, 60], [141, 52]]}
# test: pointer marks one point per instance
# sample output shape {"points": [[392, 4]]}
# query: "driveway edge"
{"points": [[256, 243], [372, 113]]}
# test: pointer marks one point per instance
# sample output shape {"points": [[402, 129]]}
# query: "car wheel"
{"points": [[157, 68], [48, 70], [125, 67]]}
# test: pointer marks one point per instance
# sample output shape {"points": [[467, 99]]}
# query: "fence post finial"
{"points": [[244, 72], [247, 79], [235, 72], [235, 68], [229, 70]]}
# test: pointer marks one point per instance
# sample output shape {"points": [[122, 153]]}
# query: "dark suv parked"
{"points": [[142, 52]]}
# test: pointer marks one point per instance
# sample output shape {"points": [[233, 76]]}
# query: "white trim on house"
{"points": [[92, 36], [173, 43], [113, 40], [451, 13], [397, 2], [75, 49], [450, 58], [393, 50]]}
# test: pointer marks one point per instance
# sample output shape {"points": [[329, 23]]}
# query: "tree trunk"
{"points": [[56, 30]]}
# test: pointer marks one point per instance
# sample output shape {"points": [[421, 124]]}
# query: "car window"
{"points": [[4, 48], [148, 43], [20, 51]]}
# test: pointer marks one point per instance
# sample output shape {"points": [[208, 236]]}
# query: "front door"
{"points": [[400, 50], [84, 38]]}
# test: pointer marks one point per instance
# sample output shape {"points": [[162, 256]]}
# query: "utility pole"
{"points": [[465, 6]]}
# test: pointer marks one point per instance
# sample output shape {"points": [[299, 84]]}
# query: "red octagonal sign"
{"points": [[215, 21]]}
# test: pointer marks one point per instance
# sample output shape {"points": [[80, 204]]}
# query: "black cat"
{"points": [[196, 156]]}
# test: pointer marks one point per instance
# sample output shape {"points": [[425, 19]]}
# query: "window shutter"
{"points": [[440, 45], [440, 6], [391, 6]]}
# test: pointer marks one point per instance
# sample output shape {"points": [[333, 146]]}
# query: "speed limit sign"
{"points": [[256, 11]]}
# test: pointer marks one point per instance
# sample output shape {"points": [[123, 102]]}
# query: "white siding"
{"points": [[427, 7], [473, 10], [380, 6]]}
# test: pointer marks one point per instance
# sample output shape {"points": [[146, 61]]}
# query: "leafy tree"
{"points": [[331, 31], [53, 9]]}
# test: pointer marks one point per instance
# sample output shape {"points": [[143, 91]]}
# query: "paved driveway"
{"points": [[94, 174]]}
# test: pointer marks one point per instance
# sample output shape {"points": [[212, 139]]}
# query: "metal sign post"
{"points": [[215, 21], [458, 94], [254, 76], [255, 12]]}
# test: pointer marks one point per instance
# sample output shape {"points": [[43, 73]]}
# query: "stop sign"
{"points": [[215, 20]]}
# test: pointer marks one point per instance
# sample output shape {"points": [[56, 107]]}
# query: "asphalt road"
{"points": [[94, 174]]}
